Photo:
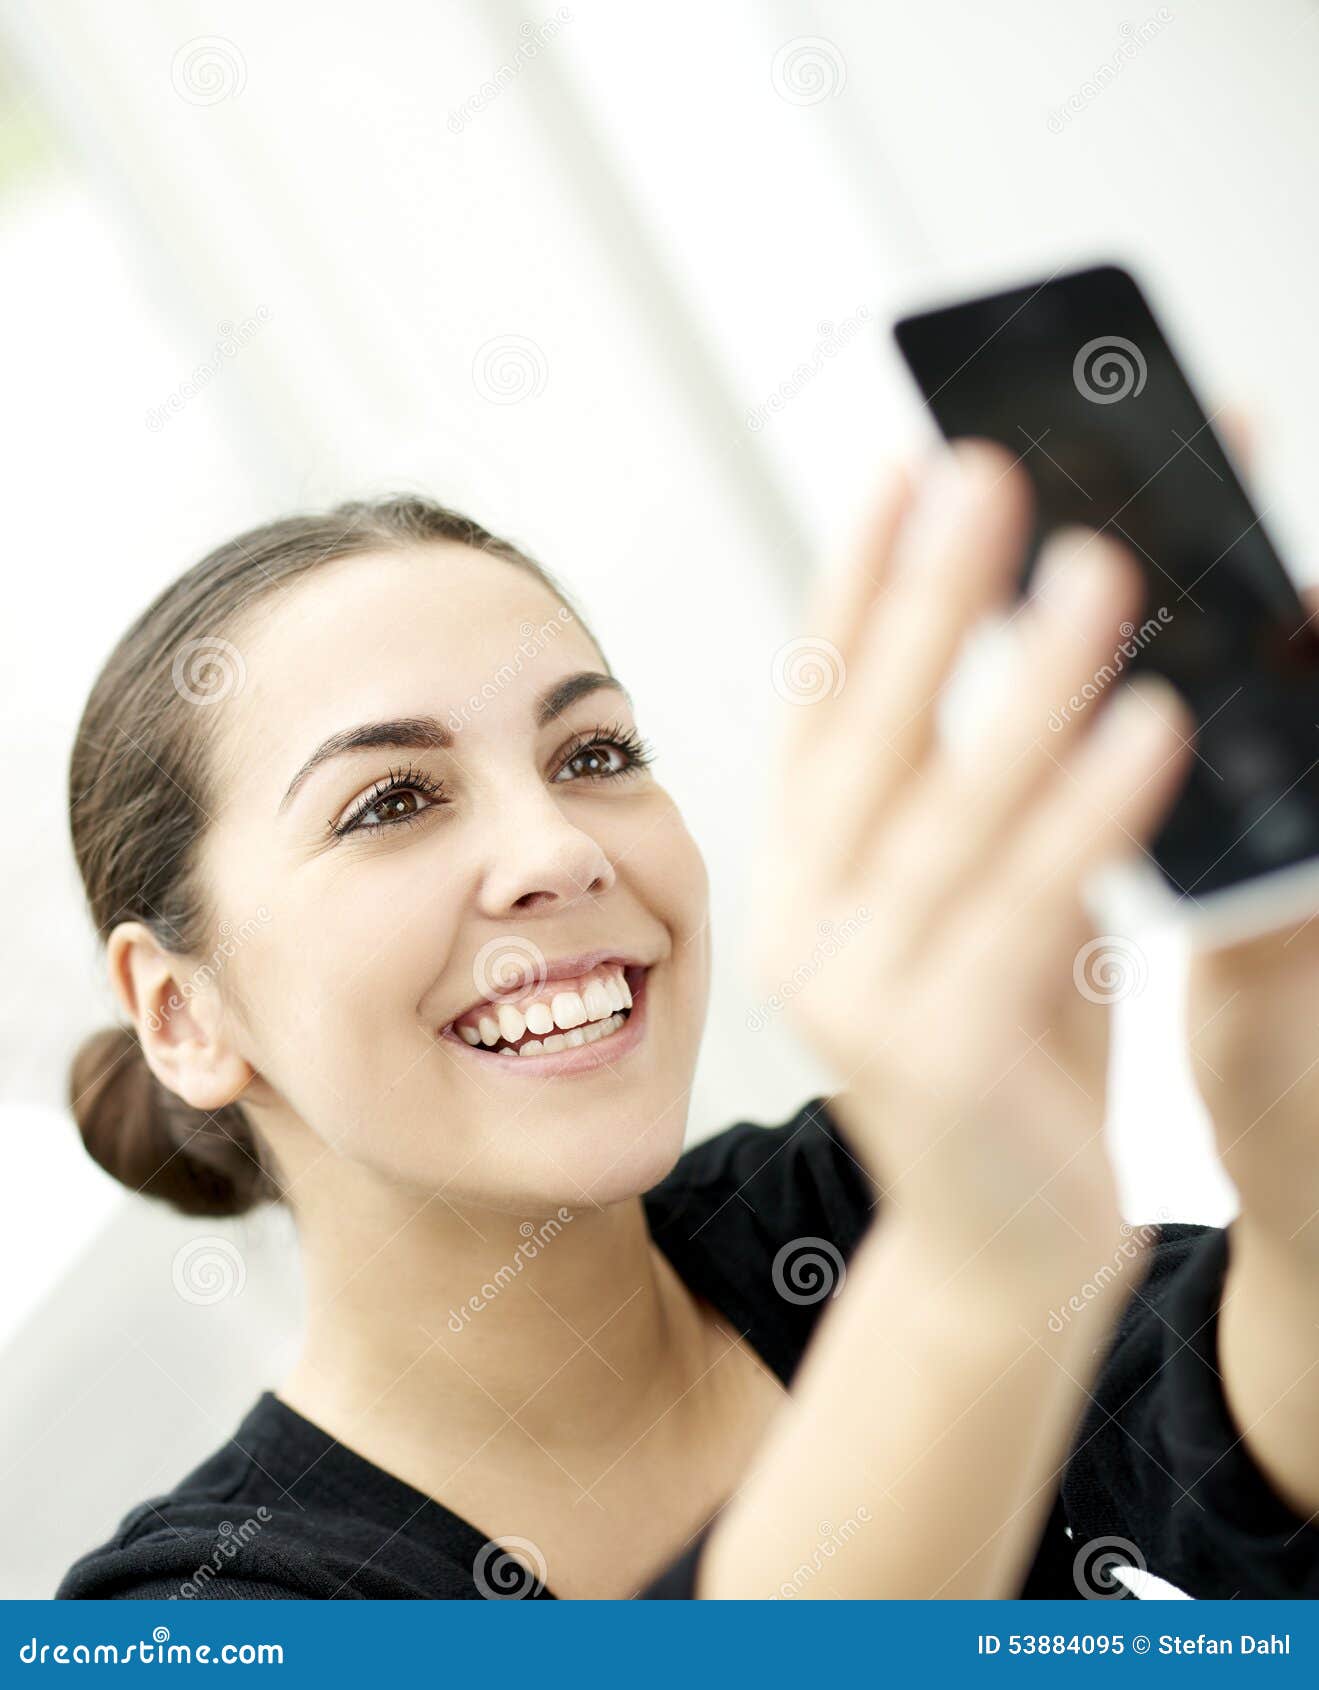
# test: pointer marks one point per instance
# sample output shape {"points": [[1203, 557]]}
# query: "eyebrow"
{"points": [[428, 733]]}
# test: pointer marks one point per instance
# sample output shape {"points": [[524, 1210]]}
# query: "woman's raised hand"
{"points": [[919, 904]]}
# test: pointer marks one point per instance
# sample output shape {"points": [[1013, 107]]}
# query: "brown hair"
{"points": [[141, 785]]}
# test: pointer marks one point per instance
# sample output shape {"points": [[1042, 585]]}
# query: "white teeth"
{"points": [[539, 1019], [603, 996], [512, 1023], [568, 1009], [566, 1041]]}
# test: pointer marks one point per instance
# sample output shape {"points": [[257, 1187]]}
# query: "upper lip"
{"points": [[560, 968]]}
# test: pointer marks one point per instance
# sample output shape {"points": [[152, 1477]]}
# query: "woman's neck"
{"points": [[437, 1335]]}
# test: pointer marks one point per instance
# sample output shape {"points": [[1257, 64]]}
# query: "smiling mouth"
{"points": [[561, 1017]]}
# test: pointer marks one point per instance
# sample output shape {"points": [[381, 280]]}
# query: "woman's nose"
{"points": [[539, 860]]}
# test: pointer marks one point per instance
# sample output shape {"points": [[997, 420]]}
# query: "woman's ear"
{"points": [[180, 1021]]}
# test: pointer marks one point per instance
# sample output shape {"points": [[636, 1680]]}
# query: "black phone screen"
{"points": [[1075, 378]]}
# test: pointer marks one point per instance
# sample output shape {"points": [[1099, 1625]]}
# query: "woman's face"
{"points": [[408, 882]]}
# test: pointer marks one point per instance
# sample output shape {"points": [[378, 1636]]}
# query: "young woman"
{"points": [[547, 1352]]}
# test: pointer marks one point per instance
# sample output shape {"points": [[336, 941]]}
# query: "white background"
{"points": [[677, 218]]}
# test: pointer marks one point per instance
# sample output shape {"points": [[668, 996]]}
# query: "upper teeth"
{"points": [[595, 997]]}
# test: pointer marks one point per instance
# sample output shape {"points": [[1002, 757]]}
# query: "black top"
{"points": [[283, 1510]]}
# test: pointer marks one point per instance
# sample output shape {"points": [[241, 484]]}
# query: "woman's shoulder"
{"points": [[762, 1220], [278, 1510], [787, 1178]]}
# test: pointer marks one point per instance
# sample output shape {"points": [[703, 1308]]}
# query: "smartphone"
{"points": [[1075, 377]]}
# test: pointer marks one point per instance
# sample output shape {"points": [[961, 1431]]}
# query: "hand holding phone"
{"points": [[1074, 376]]}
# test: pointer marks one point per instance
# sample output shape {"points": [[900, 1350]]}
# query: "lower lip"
{"points": [[574, 1059]]}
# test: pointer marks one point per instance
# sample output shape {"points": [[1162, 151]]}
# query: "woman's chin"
{"points": [[577, 1164]]}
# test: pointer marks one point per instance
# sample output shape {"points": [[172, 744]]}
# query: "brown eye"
{"points": [[404, 798], [594, 760], [395, 807], [606, 753]]}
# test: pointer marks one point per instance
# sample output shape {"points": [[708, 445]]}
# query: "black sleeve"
{"points": [[1159, 1462]]}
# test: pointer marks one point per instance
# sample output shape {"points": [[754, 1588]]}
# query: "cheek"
{"points": [[333, 1011], [676, 881]]}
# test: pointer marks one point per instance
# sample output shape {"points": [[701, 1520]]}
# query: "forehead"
{"points": [[416, 629], [387, 633]]}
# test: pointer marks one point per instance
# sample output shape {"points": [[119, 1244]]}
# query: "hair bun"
{"points": [[154, 1142]]}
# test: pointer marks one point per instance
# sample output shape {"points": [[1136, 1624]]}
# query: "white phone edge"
{"points": [[1132, 893]]}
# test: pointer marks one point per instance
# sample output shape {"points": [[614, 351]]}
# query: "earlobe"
{"points": [[180, 1027]]}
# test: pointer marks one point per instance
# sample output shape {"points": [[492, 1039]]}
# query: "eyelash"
{"points": [[637, 752]]}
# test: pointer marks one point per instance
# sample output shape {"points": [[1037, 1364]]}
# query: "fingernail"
{"points": [[1143, 709], [1078, 578]]}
